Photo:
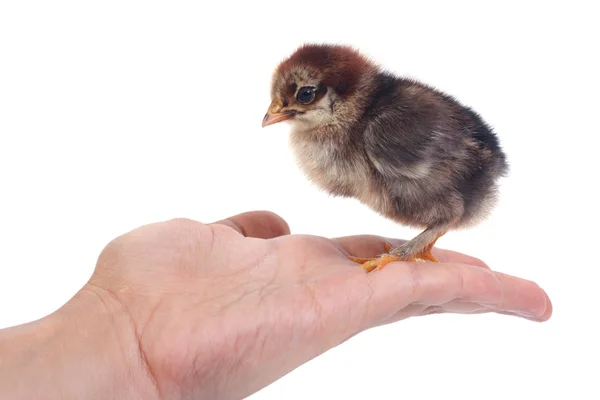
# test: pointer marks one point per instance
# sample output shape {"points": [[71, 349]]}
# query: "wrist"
{"points": [[87, 349]]}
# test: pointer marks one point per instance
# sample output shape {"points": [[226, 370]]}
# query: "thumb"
{"points": [[257, 224]]}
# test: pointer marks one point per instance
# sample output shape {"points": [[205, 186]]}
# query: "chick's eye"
{"points": [[305, 95]]}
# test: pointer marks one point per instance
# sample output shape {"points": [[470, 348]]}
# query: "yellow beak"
{"points": [[276, 114]]}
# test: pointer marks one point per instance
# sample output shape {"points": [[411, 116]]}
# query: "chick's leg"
{"points": [[419, 248]]}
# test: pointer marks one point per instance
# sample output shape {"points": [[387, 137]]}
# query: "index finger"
{"points": [[400, 284]]}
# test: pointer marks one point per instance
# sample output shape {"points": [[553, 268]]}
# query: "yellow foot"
{"points": [[369, 264]]}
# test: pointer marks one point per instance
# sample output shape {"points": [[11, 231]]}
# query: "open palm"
{"points": [[221, 310]]}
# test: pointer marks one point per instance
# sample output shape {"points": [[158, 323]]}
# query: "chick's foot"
{"points": [[369, 264], [398, 254]]}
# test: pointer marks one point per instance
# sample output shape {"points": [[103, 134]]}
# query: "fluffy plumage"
{"points": [[408, 151]]}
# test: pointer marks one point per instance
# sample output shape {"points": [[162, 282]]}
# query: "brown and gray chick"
{"points": [[408, 151]]}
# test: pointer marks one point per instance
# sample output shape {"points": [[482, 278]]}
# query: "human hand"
{"points": [[221, 310]]}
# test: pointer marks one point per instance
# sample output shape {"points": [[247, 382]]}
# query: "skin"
{"points": [[171, 312]]}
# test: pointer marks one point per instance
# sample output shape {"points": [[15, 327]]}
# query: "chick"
{"points": [[408, 151]]}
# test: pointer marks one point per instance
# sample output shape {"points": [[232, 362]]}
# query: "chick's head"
{"points": [[317, 85]]}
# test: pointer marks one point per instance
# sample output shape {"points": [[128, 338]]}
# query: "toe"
{"points": [[385, 260], [360, 260], [370, 265]]}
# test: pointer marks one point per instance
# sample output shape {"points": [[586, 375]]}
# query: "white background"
{"points": [[115, 114]]}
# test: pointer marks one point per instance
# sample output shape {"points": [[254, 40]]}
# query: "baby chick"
{"points": [[411, 153]]}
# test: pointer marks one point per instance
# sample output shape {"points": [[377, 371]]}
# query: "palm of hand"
{"points": [[209, 304]]}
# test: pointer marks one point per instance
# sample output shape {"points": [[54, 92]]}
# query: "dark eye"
{"points": [[305, 95]]}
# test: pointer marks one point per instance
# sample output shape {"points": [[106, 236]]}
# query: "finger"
{"points": [[455, 307], [372, 246], [401, 284], [366, 245], [543, 318], [519, 292], [257, 224]]}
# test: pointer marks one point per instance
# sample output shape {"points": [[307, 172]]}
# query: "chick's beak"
{"points": [[277, 113]]}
